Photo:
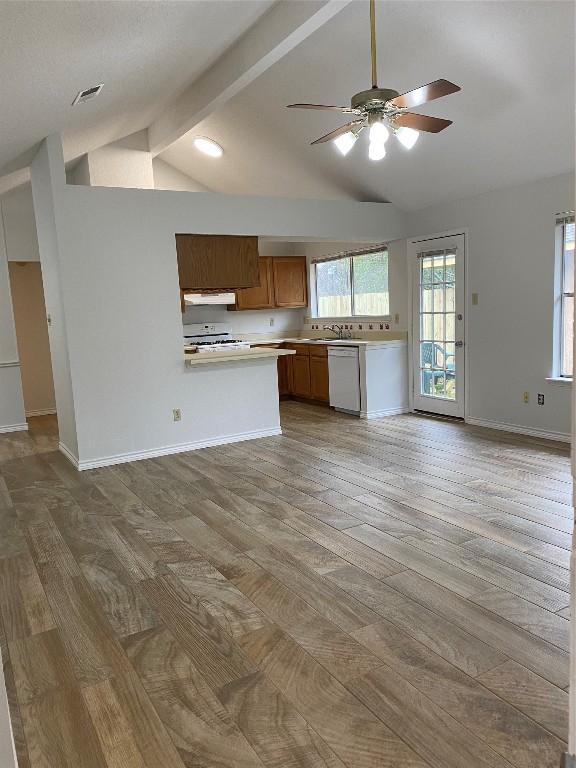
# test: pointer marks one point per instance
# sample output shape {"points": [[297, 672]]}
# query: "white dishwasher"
{"points": [[344, 378]]}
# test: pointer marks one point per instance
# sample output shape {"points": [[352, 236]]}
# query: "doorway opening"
{"points": [[33, 347]]}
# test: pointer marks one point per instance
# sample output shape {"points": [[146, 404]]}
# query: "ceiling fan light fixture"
{"points": [[407, 136], [376, 150], [208, 146], [378, 132], [345, 142], [384, 110]]}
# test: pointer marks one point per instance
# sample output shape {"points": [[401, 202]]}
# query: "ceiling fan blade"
{"points": [[337, 132], [346, 110], [421, 122], [425, 93]]}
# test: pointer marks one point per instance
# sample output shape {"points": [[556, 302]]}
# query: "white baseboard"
{"points": [[41, 412], [13, 428], [68, 453], [122, 458], [7, 747], [562, 437], [384, 412]]}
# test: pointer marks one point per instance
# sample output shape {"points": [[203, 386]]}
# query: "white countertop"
{"points": [[234, 355], [330, 342]]}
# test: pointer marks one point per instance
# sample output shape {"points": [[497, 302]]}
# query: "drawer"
{"points": [[318, 350]]}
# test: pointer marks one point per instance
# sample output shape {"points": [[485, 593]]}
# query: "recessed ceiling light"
{"points": [[208, 146], [87, 94]]}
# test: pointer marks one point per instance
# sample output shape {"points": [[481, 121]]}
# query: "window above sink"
{"points": [[352, 284]]}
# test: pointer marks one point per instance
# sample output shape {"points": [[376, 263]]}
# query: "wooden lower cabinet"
{"points": [[301, 375], [284, 372], [304, 374], [319, 389], [308, 372]]}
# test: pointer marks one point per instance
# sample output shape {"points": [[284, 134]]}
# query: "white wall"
{"points": [[19, 224], [397, 274], [168, 177], [119, 285], [48, 186], [123, 163], [11, 400], [17, 211], [511, 267], [128, 163], [80, 173], [32, 337]]}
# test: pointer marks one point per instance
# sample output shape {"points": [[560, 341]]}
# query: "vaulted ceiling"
{"points": [[513, 119], [145, 53]]}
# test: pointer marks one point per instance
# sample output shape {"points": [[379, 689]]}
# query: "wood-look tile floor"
{"points": [[354, 594]]}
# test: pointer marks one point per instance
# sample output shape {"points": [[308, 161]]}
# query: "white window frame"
{"points": [[560, 295], [338, 257]]}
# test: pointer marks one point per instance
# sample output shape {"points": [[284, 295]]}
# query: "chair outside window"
{"points": [[436, 363]]}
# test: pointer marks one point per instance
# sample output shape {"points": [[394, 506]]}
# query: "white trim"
{"points": [[42, 412], [410, 243], [122, 458], [559, 380], [384, 412], [14, 428], [10, 364], [6, 732], [563, 437], [68, 453]]}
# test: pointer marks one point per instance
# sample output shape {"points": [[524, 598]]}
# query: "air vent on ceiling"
{"points": [[89, 93]]}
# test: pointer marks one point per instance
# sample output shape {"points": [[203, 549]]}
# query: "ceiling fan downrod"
{"points": [[373, 43]]}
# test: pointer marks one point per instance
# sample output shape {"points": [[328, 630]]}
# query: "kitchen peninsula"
{"points": [[235, 355]]}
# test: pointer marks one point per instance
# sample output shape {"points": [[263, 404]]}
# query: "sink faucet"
{"points": [[337, 329]]}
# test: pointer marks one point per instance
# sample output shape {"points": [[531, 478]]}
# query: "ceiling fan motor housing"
{"points": [[374, 98]]}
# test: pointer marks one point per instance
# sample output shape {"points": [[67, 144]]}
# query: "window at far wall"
{"points": [[353, 285], [566, 319]]}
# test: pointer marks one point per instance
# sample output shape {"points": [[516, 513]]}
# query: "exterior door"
{"points": [[438, 325]]}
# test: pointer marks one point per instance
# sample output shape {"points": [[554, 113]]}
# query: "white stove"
{"points": [[211, 337]]}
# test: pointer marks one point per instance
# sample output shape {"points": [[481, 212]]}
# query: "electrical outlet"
{"points": [[540, 398], [177, 413], [271, 322], [526, 397]]}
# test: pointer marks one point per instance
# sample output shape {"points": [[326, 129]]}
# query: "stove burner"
{"points": [[211, 343]]}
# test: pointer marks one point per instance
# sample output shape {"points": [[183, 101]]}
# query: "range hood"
{"points": [[197, 299]]}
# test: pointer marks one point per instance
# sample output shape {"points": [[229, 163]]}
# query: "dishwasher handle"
{"points": [[343, 352]]}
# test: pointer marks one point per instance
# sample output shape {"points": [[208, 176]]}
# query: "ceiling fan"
{"points": [[384, 110]]}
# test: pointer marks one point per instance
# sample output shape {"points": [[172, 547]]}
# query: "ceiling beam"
{"points": [[275, 34]]}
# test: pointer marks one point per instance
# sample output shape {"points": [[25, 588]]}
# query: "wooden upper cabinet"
{"points": [[290, 281], [283, 283], [217, 262], [261, 296]]}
